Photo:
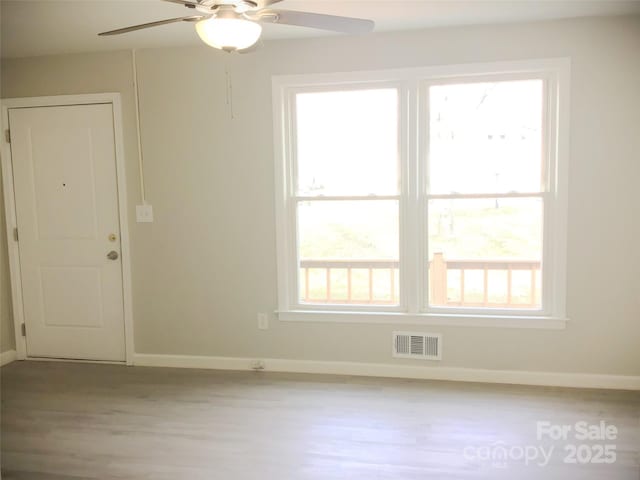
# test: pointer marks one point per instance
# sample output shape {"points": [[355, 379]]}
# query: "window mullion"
{"points": [[411, 224], [422, 161]]}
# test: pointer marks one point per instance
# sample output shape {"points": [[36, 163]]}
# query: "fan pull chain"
{"points": [[229, 90]]}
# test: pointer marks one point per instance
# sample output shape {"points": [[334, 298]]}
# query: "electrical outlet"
{"points": [[144, 213], [263, 321], [257, 365]]}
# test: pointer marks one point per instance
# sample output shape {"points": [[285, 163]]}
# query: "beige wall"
{"points": [[7, 338], [206, 266]]}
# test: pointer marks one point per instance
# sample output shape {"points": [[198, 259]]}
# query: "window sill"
{"points": [[448, 320]]}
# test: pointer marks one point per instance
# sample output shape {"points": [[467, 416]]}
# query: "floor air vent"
{"points": [[417, 345]]}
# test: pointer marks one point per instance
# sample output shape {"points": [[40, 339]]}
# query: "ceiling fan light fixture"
{"points": [[228, 33]]}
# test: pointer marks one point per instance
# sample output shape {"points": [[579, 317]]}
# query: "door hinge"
{"points": [[24, 330], [15, 234], [7, 135]]}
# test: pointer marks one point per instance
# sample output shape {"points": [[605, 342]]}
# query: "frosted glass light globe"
{"points": [[228, 33]]}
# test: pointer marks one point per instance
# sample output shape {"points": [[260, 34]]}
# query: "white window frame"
{"points": [[413, 117]]}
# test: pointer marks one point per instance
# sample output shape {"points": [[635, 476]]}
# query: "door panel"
{"points": [[64, 188], [62, 306], [67, 208]]}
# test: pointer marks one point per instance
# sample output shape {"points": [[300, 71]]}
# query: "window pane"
{"points": [[347, 142], [348, 252], [485, 252], [491, 132]]}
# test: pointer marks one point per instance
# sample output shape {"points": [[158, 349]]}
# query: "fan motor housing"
{"points": [[239, 6]]}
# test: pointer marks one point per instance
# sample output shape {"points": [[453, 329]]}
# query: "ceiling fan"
{"points": [[235, 24]]}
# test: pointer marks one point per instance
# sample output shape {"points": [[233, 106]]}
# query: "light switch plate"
{"points": [[144, 213]]}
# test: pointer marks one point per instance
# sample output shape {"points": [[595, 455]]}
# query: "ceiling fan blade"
{"points": [[316, 20], [184, 2], [152, 24], [265, 3]]}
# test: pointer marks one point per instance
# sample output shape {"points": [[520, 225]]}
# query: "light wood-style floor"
{"points": [[81, 421]]}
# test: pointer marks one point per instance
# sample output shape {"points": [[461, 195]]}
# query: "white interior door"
{"points": [[66, 196]]}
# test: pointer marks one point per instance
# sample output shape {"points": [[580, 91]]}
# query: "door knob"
{"points": [[112, 255]]}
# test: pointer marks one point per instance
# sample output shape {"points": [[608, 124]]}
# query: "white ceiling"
{"points": [[30, 27]]}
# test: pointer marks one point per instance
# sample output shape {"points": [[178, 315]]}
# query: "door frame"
{"points": [[13, 246]]}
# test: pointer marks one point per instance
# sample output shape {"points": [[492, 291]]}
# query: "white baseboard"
{"points": [[552, 379], [8, 357]]}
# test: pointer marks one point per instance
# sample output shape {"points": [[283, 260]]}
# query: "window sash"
{"points": [[544, 309], [297, 294], [548, 123], [546, 193], [291, 105], [425, 126], [293, 300], [297, 302]]}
